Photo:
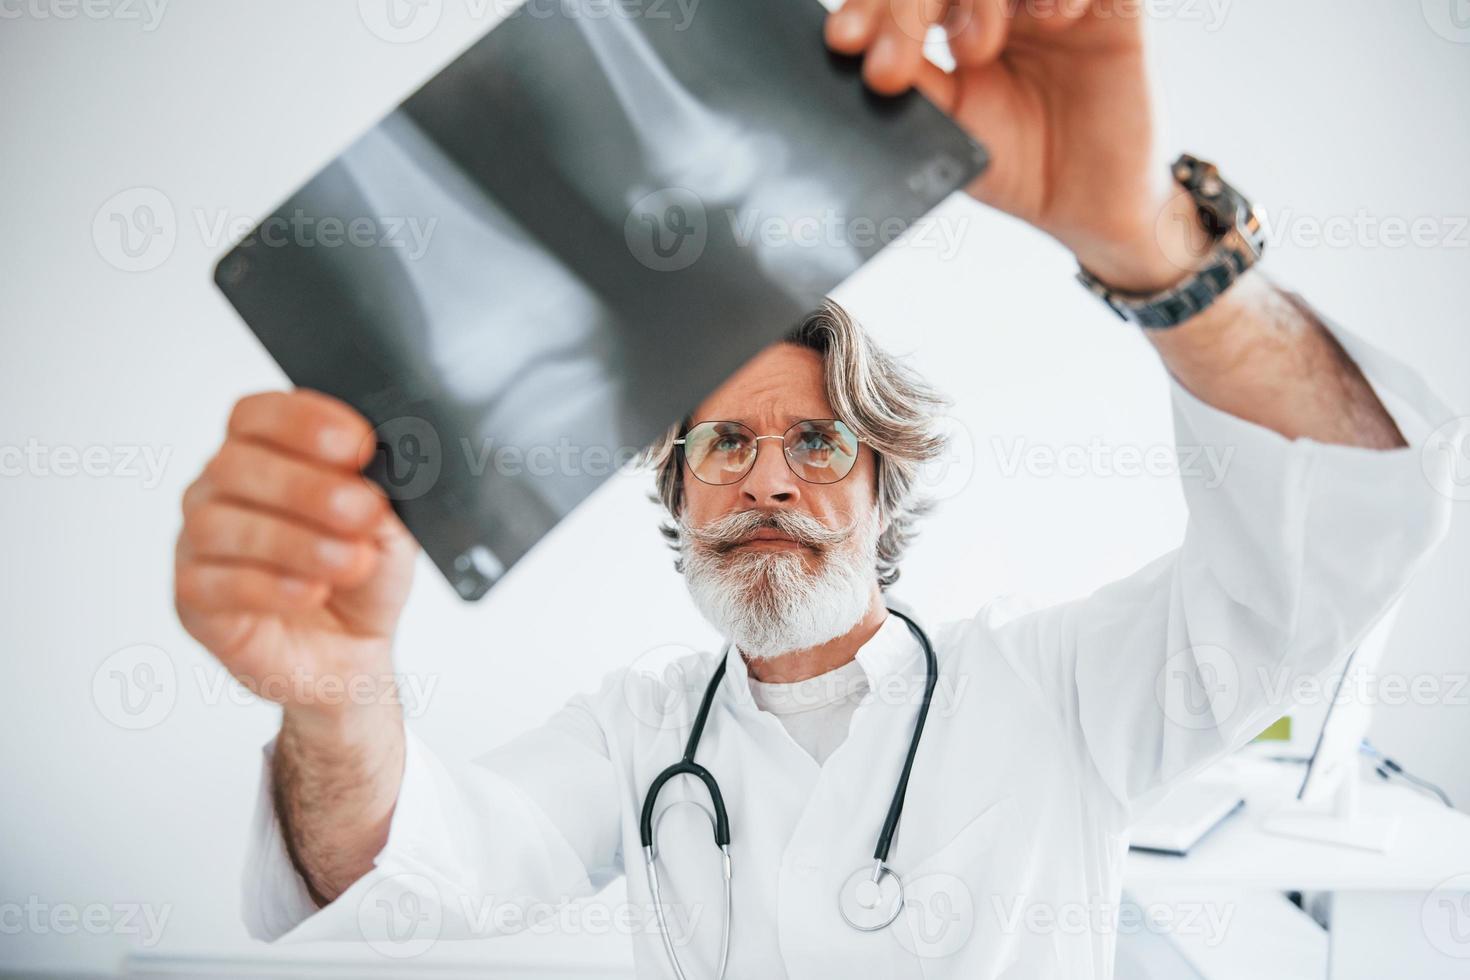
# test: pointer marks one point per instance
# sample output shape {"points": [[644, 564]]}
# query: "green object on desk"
{"points": [[1278, 731]]}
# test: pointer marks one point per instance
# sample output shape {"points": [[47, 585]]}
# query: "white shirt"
{"points": [[1046, 731], [817, 711]]}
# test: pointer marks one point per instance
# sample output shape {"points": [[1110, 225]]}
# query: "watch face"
{"points": [[1251, 233]]}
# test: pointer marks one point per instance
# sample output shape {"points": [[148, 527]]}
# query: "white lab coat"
{"points": [[1047, 730]]}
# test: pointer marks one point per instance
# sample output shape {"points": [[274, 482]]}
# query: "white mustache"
{"points": [[724, 533]]}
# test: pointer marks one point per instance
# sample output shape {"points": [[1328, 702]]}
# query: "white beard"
{"points": [[769, 603]]}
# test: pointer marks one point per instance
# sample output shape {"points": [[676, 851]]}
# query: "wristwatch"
{"points": [[1238, 242]]}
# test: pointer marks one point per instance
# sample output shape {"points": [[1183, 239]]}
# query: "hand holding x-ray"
{"points": [[1058, 91]]}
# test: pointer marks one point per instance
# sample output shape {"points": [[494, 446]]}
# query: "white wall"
{"points": [[1319, 109]]}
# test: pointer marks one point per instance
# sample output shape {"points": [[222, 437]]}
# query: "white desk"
{"points": [[561, 957], [1403, 914]]}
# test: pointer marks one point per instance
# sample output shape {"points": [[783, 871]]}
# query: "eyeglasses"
{"points": [[816, 450]]}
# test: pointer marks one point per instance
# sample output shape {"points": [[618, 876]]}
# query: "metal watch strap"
{"points": [[1238, 244]]}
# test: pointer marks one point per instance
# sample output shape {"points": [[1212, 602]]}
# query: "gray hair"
{"points": [[888, 405]]}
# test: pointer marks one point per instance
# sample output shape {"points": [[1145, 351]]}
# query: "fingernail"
{"points": [[294, 586], [846, 26]]}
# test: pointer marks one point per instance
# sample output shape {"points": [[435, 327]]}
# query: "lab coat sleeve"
{"points": [[473, 850], [1287, 561]]}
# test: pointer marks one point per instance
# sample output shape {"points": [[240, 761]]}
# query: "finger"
{"points": [[978, 30], [215, 587], [937, 85], [891, 65], [1057, 14], [224, 531], [306, 423], [253, 474], [852, 28]]}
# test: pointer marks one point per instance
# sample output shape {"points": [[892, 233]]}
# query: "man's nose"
{"points": [[770, 480]]}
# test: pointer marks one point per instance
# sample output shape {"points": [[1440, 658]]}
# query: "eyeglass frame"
{"points": [[684, 456]]}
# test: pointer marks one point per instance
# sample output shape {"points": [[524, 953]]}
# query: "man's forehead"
{"points": [[783, 383]]}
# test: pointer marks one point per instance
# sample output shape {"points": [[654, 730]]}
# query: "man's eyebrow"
{"points": [[789, 419]]}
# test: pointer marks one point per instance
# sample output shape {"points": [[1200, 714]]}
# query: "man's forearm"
{"points": [[1260, 354], [335, 782]]}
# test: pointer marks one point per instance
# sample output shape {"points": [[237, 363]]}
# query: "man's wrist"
{"points": [[1161, 254], [343, 725]]}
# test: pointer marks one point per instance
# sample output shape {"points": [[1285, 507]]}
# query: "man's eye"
{"points": [[815, 442], [729, 444]]}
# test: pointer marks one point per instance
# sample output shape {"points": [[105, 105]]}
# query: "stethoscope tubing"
{"points": [[719, 818]]}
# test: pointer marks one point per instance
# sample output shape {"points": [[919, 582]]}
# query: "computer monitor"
{"points": [[1326, 805]]}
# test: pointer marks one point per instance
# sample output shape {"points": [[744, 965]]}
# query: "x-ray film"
{"points": [[568, 237]]}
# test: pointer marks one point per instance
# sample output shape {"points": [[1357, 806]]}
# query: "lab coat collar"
{"points": [[889, 652]]}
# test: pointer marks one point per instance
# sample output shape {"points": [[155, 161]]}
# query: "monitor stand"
{"points": [[1340, 822]]}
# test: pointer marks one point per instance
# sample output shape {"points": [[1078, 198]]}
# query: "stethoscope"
{"points": [[869, 900]]}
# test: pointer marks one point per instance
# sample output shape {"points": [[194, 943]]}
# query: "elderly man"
{"points": [[791, 494]]}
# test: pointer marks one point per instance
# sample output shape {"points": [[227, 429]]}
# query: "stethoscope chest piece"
{"points": [[871, 898]]}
